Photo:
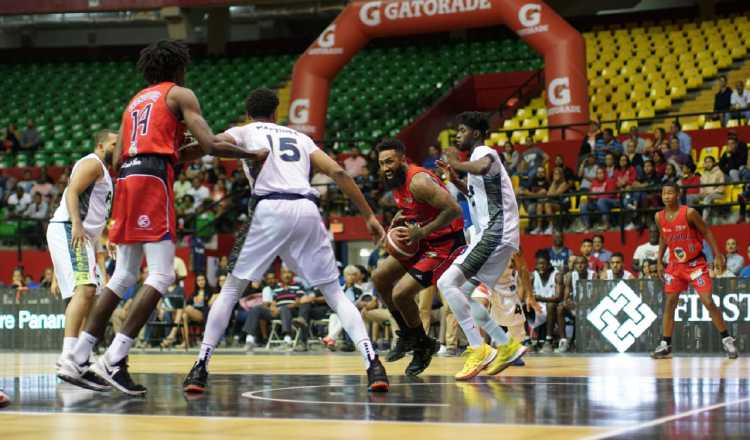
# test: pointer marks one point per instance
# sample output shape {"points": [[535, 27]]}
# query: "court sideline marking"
{"points": [[665, 419]]}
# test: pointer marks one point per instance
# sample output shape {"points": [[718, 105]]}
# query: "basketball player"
{"points": [[151, 133], [496, 238], [548, 290], [286, 223], [72, 234], [682, 230], [435, 221], [580, 271]]}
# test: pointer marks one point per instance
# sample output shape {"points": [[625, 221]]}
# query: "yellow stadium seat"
{"points": [[541, 113], [690, 126], [709, 71], [522, 113], [541, 135], [733, 123], [516, 181], [694, 82], [662, 104], [627, 125], [738, 52], [712, 124], [510, 124], [677, 92], [519, 137], [708, 151], [530, 123], [499, 138], [722, 151], [701, 120]]}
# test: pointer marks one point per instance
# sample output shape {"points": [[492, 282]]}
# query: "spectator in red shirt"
{"points": [[587, 251], [690, 196], [624, 179], [598, 202], [660, 163]]}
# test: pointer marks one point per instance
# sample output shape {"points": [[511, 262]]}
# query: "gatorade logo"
{"points": [[558, 94], [299, 111], [326, 42], [373, 13], [530, 17]]}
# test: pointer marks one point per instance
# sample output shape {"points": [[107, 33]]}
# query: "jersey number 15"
{"points": [[288, 151]]}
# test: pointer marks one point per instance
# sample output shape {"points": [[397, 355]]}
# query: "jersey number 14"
{"points": [[139, 119]]}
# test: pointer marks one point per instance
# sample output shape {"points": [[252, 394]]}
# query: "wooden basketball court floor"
{"points": [[323, 396]]}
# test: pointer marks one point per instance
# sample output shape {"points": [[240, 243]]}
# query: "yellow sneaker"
{"points": [[478, 359], [506, 355]]}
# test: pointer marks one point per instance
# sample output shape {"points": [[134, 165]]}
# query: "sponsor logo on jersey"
{"points": [[374, 13], [622, 335], [144, 221], [558, 94], [530, 17]]}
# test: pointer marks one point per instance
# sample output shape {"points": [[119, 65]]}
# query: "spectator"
{"points": [[598, 250], [557, 187], [587, 172], [740, 102], [196, 308], [44, 186], [607, 144], [732, 161], [646, 251], [634, 141], [532, 159], [723, 100], [510, 158], [312, 307], [684, 138], [181, 186], [625, 176], [433, 155], [601, 199], [37, 209], [559, 254], [708, 194], [610, 166], [18, 201], [651, 198], [285, 300], [675, 156], [659, 139], [634, 158], [11, 144], [355, 163], [534, 188], [251, 297], [649, 270], [547, 285], [352, 275], [193, 170], [670, 174], [18, 282], [30, 139], [180, 270], [198, 192], [593, 136], [689, 178], [735, 262], [27, 182], [660, 164], [617, 269], [568, 174], [745, 272], [587, 251], [321, 182]]}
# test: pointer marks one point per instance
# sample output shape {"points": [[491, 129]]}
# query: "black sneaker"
{"points": [[117, 375], [197, 380], [404, 344], [662, 351], [425, 348], [377, 379]]}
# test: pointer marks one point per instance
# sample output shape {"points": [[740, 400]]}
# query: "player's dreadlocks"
{"points": [[163, 61], [261, 103]]}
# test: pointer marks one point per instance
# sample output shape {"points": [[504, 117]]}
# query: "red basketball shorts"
{"points": [[434, 257], [679, 276]]}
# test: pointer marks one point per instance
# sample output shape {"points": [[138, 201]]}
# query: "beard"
{"points": [[108, 155], [398, 179]]}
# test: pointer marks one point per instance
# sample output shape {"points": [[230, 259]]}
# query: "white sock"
{"points": [[219, 316], [450, 285], [350, 318], [119, 349], [69, 344], [249, 339], [83, 347], [484, 320]]}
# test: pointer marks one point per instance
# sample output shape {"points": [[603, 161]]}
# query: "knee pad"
{"points": [[121, 281], [160, 281]]}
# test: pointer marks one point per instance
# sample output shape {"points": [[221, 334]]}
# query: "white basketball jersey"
{"points": [[545, 290], [287, 168], [609, 275], [492, 201], [575, 276], [93, 203]]}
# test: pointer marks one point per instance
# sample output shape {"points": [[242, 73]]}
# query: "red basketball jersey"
{"points": [[422, 213], [149, 126], [683, 241]]}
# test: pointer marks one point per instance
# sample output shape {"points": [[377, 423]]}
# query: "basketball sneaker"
{"points": [[377, 379], [80, 375], [197, 380], [477, 360], [117, 375], [729, 347], [404, 344], [4, 399], [506, 355], [425, 348], [662, 351]]}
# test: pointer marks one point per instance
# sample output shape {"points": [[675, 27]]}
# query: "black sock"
{"points": [[419, 331], [667, 339], [399, 320], [725, 334]]}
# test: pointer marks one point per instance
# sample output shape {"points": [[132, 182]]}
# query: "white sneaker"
{"points": [[549, 230], [630, 227], [249, 343], [288, 340], [536, 231], [562, 346], [79, 375], [729, 347]]}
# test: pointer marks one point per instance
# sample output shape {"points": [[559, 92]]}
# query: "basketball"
{"points": [[399, 248]]}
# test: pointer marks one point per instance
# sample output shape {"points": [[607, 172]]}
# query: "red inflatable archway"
{"points": [[535, 22]]}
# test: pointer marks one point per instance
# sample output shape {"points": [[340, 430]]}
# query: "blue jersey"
{"points": [[559, 259]]}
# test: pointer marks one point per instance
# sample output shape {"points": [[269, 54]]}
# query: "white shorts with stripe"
{"points": [[292, 230], [73, 268]]}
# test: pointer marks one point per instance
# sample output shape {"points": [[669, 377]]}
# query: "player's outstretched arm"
{"points": [[477, 167], [330, 168], [86, 174], [426, 190], [453, 176], [697, 222], [190, 109]]}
